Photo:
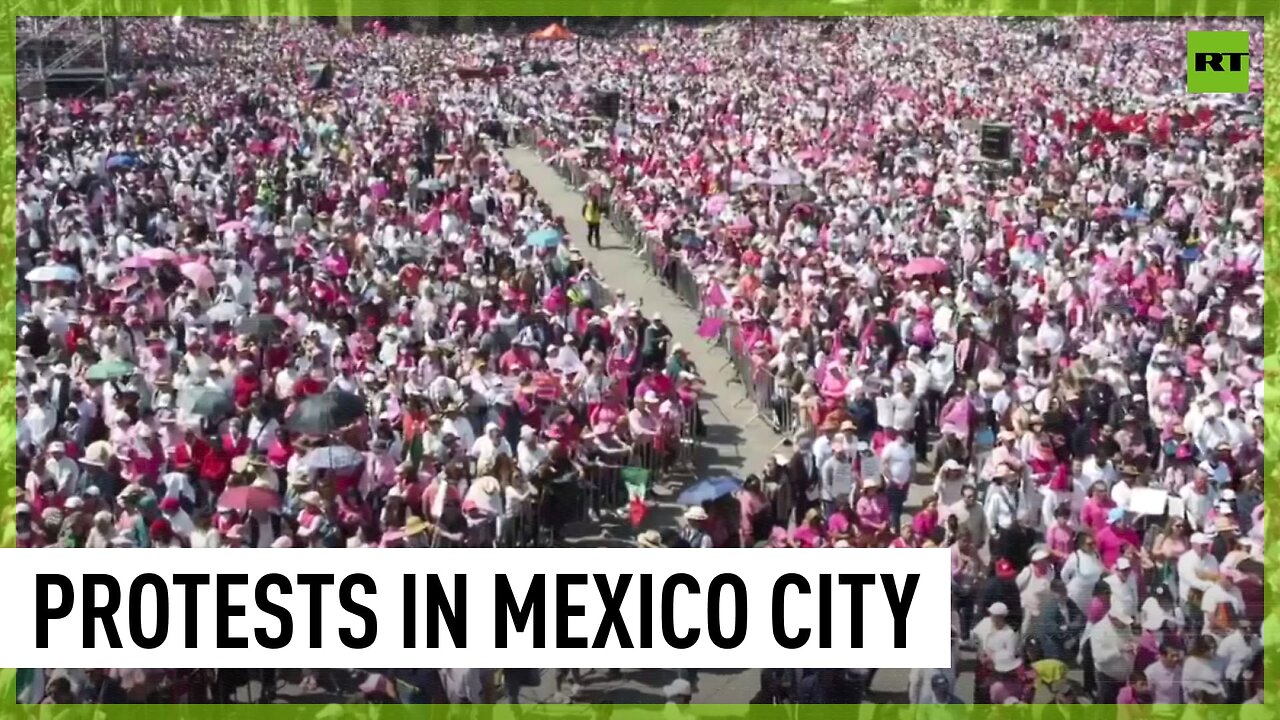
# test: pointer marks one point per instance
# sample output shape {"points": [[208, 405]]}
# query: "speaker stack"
{"points": [[606, 104], [997, 141]]}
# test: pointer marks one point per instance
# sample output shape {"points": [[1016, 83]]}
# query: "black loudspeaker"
{"points": [[607, 104], [997, 139], [827, 30], [320, 75]]}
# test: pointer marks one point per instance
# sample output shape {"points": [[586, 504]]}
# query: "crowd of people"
{"points": [[1066, 343], [262, 307]]}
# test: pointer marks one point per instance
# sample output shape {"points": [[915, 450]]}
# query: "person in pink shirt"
{"points": [[872, 508], [842, 525], [1059, 538], [1117, 538], [810, 533], [1096, 507], [925, 522]]}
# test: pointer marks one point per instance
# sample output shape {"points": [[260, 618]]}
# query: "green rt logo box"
{"points": [[1217, 62]]}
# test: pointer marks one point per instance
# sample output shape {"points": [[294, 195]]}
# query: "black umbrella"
{"points": [[262, 326], [326, 413], [212, 405]]}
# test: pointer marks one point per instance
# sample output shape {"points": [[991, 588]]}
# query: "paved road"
{"points": [[736, 441]]}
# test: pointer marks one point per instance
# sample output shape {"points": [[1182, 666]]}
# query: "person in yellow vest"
{"points": [[592, 212]]}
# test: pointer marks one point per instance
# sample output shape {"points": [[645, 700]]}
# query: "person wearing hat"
{"points": [[179, 521], [1000, 505], [994, 638], [949, 482], [1033, 583], [1223, 603], [836, 472], [1198, 498], [1118, 538], [1197, 572], [649, 539], [695, 533], [1123, 583], [491, 444], [657, 336], [62, 469]]}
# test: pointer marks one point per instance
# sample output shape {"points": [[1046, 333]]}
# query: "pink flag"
{"points": [[715, 297], [709, 328]]}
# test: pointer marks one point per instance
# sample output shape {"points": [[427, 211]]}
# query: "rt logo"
{"points": [[1217, 62]]}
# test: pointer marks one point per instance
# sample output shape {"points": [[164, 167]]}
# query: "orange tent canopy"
{"points": [[554, 31]]}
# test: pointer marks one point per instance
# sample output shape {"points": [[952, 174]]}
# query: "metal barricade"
{"points": [[687, 286], [519, 529], [647, 455], [690, 439], [602, 492]]}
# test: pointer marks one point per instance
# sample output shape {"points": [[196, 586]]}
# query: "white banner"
{"points": [[404, 608]]}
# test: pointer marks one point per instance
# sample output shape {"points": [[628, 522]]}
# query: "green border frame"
{"points": [[1269, 9]]}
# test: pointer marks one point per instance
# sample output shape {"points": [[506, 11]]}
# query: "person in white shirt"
{"points": [[949, 483], [39, 417], [1197, 572], [62, 469], [1198, 498], [1123, 583], [1223, 592], [1000, 506], [1236, 652], [529, 453], [458, 426], [1114, 650], [898, 460], [993, 634], [178, 485], [1122, 491], [179, 521], [822, 445], [835, 475], [491, 443]]}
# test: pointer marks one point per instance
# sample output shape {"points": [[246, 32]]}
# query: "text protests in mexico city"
{"points": [[483, 608]]}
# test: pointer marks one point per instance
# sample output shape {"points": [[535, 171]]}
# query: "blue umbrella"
{"points": [[545, 238], [709, 490], [1133, 213], [690, 240], [124, 160]]}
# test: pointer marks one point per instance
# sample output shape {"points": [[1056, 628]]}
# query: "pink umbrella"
{"points": [[137, 262], [199, 274], [122, 283], [716, 204], [924, 266], [160, 254], [231, 226]]}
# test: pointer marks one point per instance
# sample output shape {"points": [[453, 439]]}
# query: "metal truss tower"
{"points": [[80, 46]]}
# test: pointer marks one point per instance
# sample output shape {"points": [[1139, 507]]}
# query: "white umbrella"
{"points": [[225, 312], [334, 457], [785, 177], [53, 273]]}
